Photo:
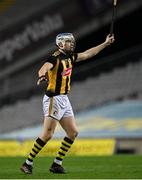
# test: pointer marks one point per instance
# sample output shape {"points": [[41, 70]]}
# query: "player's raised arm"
{"points": [[95, 50], [42, 72]]}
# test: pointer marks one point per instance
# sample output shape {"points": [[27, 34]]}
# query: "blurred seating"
{"points": [[16, 12], [22, 114], [118, 84]]}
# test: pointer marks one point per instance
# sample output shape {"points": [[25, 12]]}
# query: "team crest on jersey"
{"points": [[67, 72]]}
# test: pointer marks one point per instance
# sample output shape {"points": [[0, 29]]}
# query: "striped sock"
{"points": [[65, 146], [38, 145]]}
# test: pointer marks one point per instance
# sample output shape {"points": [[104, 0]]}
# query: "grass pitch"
{"points": [[77, 167]]}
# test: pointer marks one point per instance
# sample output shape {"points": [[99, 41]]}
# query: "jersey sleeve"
{"points": [[51, 59]]}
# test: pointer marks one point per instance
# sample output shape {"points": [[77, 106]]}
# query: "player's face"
{"points": [[69, 46]]}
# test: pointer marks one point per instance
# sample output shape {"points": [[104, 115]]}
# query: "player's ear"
{"points": [[60, 44]]}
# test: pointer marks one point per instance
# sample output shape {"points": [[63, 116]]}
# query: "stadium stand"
{"points": [[22, 114], [121, 83], [16, 10]]}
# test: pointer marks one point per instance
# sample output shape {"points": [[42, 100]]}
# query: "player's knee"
{"points": [[47, 136], [73, 134]]}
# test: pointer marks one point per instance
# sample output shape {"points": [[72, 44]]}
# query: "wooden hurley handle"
{"points": [[114, 2]]}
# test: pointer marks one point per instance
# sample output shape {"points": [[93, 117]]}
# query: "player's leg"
{"points": [[48, 130], [70, 127], [67, 121]]}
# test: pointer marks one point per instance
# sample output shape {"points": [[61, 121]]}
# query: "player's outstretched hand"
{"points": [[109, 39]]}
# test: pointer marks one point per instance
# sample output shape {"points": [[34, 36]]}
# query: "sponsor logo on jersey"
{"points": [[67, 72]]}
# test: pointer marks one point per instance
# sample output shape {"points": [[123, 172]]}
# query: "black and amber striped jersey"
{"points": [[59, 77]]}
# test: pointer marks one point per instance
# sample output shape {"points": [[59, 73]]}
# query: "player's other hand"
{"points": [[109, 39], [41, 79]]}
